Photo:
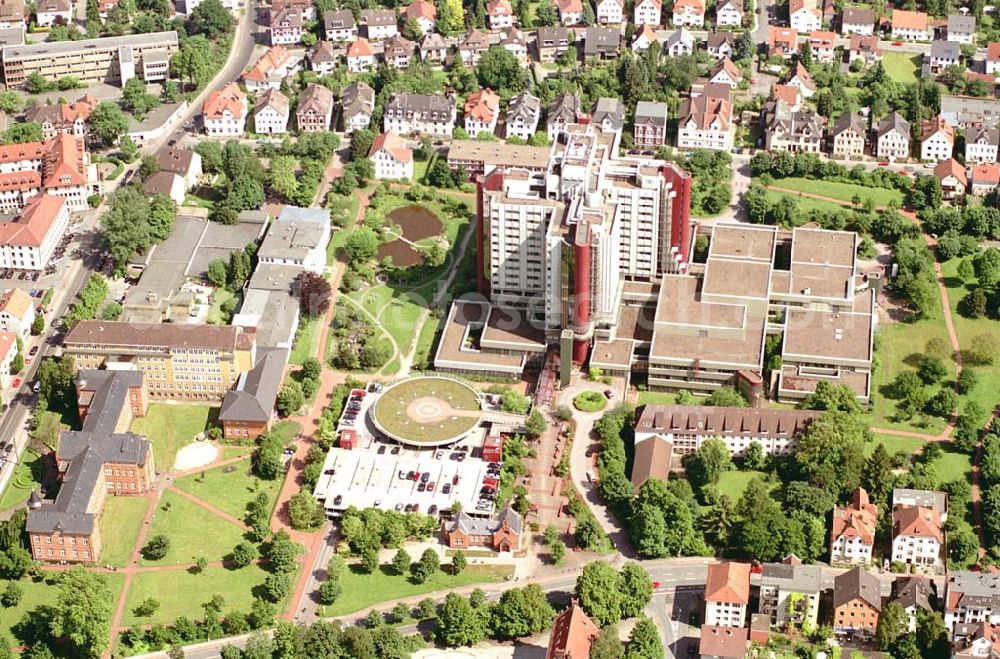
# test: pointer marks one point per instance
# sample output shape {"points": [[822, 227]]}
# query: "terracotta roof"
{"points": [[822, 39], [918, 521], [421, 9], [500, 8], [950, 167], [734, 72], [910, 20], [392, 143], [865, 43], [782, 35], [935, 125], [801, 73], [993, 50], [130, 336], [697, 5], [17, 303], [19, 152], [229, 98], [20, 181], [360, 48], [988, 173], [722, 641], [856, 520], [34, 222], [482, 105], [705, 110], [786, 93], [798, 5], [728, 582], [571, 6], [63, 163], [572, 635], [62, 113], [273, 59]]}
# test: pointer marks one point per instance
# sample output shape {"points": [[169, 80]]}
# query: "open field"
{"points": [[733, 482], [657, 398], [901, 67], [230, 488], [894, 444], [193, 531], [806, 204], [120, 525], [843, 191], [306, 340], [170, 427]]}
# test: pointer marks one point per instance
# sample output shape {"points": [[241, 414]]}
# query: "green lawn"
{"points": [[657, 398], [230, 488], [391, 409], [193, 531], [420, 168], [806, 204], [953, 465], [894, 444], [219, 297], [363, 590], [286, 430], [27, 477], [901, 67], [170, 427], [399, 318], [181, 593], [337, 241], [733, 482], [425, 342], [842, 191], [120, 524], [306, 340], [393, 366], [39, 593]]}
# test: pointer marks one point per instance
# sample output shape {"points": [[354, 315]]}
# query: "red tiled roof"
{"points": [[912, 20], [500, 8], [950, 167], [993, 50], [786, 93], [64, 162], [697, 5], [30, 228], [421, 9], [988, 173], [360, 48], [393, 144], [482, 105], [572, 635], [919, 520], [571, 6], [728, 582], [228, 98], [722, 641], [273, 59]]}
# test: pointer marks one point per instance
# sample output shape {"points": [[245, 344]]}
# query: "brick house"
{"points": [[650, 127], [573, 634], [500, 534], [857, 603], [315, 109], [248, 408]]}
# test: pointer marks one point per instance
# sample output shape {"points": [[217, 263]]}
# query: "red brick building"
{"points": [[572, 634], [248, 408], [500, 534]]}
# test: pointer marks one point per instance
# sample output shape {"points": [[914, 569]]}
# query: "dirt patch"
{"points": [[403, 255], [194, 455], [416, 222]]}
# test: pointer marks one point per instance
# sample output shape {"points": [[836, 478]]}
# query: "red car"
{"points": [[16, 384], [656, 584], [897, 43], [490, 482]]}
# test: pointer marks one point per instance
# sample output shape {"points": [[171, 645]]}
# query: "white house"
{"points": [[500, 14], [910, 26], [729, 13], [993, 57], [391, 158], [802, 81], [689, 13], [225, 112], [727, 593], [297, 237], [804, 16], [892, 138], [379, 24], [852, 535], [705, 122], [424, 13], [8, 350], [270, 113], [52, 12], [680, 42], [648, 12], [917, 536], [357, 102], [166, 183], [360, 56], [981, 145], [523, 115], [28, 243], [937, 139], [570, 11], [857, 20], [17, 312], [609, 12], [482, 110]]}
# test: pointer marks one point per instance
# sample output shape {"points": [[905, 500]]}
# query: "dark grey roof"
{"points": [[651, 112], [611, 110], [565, 107], [961, 24], [252, 399], [893, 122], [716, 39], [601, 40], [849, 121], [988, 135], [357, 97], [483, 526], [550, 37], [857, 584], [338, 20], [176, 160], [524, 104], [858, 16], [435, 106], [945, 50], [110, 394], [792, 577], [913, 591]]}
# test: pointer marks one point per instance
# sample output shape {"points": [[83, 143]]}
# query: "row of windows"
{"points": [[120, 472], [120, 486], [72, 540], [76, 554]]}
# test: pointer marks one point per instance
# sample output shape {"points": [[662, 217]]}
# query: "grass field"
{"points": [[181, 593], [286, 430], [953, 465], [901, 67], [806, 204], [657, 398], [193, 532], [392, 414], [230, 488], [894, 444], [425, 341], [733, 482], [843, 191], [219, 297], [120, 524], [170, 427], [362, 590], [27, 477], [306, 340]]}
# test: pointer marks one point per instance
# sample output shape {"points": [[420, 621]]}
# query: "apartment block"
{"points": [[857, 603], [727, 593], [789, 593], [111, 59], [852, 535], [420, 113], [180, 362], [971, 597], [28, 241]]}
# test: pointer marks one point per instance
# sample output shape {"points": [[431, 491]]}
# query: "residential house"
{"points": [[514, 42], [720, 44], [68, 118], [28, 242], [913, 594], [648, 12], [788, 95], [186, 163], [53, 12], [984, 179], [680, 42], [225, 112], [424, 13], [379, 24], [726, 73], [981, 145], [689, 13], [857, 20], [17, 312], [609, 114], [729, 13], [305, 7], [297, 238], [570, 11], [357, 102], [917, 530], [801, 80], [391, 157], [315, 109], [943, 54], [398, 51], [937, 139], [644, 38], [502, 534], [472, 47], [339, 25], [993, 57], [323, 58], [705, 122], [247, 409], [429, 114], [822, 44], [482, 110], [789, 593], [910, 26], [971, 597], [857, 602], [8, 351], [523, 116], [12, 14], [433, 48], [727, 593], [785, 129], [573, 634], [865, 48], [848, 136], [360, 56], [551, 42], [270, 113], [564, 110], [782, 42], [609, 12], [961, 28], [285, 26], [951, 174], [165, 183], [852, 534], [274, 65], [977, 640], [804, 16], [500, 14], [892, 138], [720, 642], [650, 126], [601, 43]]}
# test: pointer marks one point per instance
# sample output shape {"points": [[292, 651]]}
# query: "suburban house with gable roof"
{"points": [[248, 408], [852, 535], [573, 634], [501, 534], [727, 593]]}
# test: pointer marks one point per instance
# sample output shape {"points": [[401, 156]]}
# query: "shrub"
{"points": [[590, 401]]}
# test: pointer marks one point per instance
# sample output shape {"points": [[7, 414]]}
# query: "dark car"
{"points": [[33, 351], [381, 450], [338, 499], [432, 510], [446, 488], [395, 450], [424, 477], [422, 487]]}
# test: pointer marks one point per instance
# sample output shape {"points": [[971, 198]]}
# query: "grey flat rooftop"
{"points": [[63, 47], [219, 240], [271, 277]]}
